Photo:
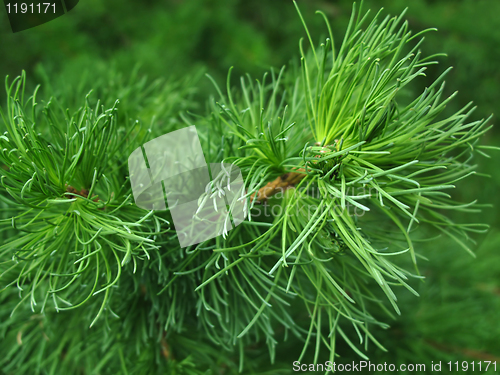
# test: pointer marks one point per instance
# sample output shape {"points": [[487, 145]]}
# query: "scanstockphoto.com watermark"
{"points": [[360, 366], [353, 205], [207, 200], [364, 366]]}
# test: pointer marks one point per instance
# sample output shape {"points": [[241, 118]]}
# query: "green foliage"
{"points": [[307, 281], [399, 152], [75, 221]]}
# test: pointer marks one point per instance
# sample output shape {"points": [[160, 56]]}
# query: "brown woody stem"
{"points": [[283, 182]]}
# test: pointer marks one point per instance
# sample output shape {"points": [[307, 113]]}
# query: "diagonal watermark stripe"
{"points": [[205, 200]]}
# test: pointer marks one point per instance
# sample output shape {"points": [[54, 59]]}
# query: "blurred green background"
{"points": [[457, 316]]}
